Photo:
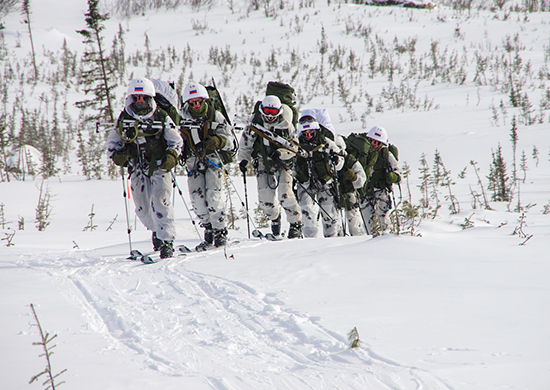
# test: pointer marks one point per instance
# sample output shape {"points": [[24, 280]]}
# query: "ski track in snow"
{"points": [[178, 322]]}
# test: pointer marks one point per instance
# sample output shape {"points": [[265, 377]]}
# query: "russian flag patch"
{"points": [[138, 89]]}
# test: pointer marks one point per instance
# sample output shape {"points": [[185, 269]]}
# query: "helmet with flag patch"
{"points": [[379, 134], [194, 90], [270, 108], [141, 86], [308, 128]]}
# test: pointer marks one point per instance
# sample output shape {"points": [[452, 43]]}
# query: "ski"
{"points": [[154, 257], [268, 236], [204, 246]]}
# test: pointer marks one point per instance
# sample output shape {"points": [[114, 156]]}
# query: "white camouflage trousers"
{"points": [[332, 225], [353, 216], [152, 199], [268, 186], [375, 211], [206, 192]]}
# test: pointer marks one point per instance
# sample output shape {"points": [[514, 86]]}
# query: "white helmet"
{"points": [[194, 90], [271, 107], [378, 133], [141, 87], [310, 125]]}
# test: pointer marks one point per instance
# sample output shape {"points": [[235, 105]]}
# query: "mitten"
{"points": [[214, 142], [169, 160], [120, 158], [348, 174], [392, 178], [242, 165]]}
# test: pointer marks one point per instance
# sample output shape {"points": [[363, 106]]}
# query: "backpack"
{"points": [[167, 99], [358, 145], [286, 95]]}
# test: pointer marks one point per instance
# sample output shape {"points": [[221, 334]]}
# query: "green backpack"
{"points": [[286, 95], [359, 145]]}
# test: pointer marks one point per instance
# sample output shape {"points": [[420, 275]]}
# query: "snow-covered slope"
{"points": [[453, 308]]}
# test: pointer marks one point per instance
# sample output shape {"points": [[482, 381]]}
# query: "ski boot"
{"points": [[157, 242], [208, 233], [167, 250], [276, 226], [208, 238], [295, 230], [220, 237]]}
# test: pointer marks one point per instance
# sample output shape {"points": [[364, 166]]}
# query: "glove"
{"points": [[242, 165], [120, 158], [285, 154], [169, 160], [392, 178], [348, 174], [214, 142]]}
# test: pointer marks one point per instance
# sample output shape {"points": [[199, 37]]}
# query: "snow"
{"points": [[454, 308]]}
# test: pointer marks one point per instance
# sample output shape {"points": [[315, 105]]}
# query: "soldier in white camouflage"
{"points": [[208, 138], [146, 141], [272, 164]]}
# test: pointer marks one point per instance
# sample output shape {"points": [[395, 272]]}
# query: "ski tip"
{"points": [[135, 254], [256, 233], [147, 260], [184, 249]]}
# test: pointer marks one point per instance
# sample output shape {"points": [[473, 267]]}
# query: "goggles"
{"points": [[306, 119], [137, 97], [271, 111]]}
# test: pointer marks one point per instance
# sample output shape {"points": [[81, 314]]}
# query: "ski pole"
{"points": [[175, 184], [125, 195], [246, 205], [332, 220]]}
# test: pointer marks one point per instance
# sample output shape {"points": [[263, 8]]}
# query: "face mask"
{"points": [[200, 112]]}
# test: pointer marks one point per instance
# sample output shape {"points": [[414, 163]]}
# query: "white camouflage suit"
{"points": [[319, 198], [152, 193], [269, 181], [376, 207], [353, 213], [206, 176]]}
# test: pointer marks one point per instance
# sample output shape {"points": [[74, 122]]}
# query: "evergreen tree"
{"points": [[25, 8], [98, 77], [514, 139], [498, 178]]}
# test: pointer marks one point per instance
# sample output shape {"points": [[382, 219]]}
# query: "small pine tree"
{"points": [[536, 156], [514, 139], [485, 200], [46, 343], [43, 209], [523, 165], [447, 182], [98, 77], [498, 178], [425, 182]]}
